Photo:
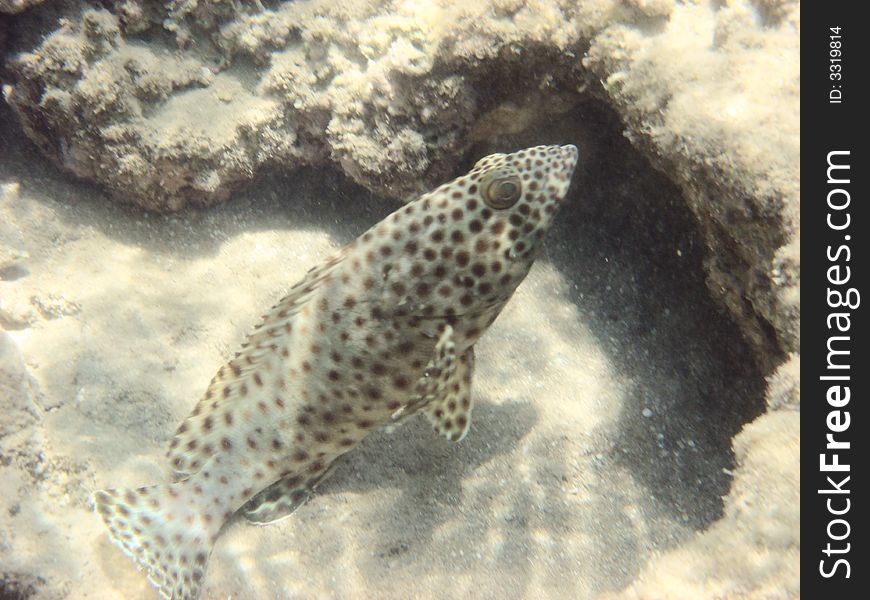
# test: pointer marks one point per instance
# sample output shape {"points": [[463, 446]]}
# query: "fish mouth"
{"points": [[570, 155], [563, 162]]}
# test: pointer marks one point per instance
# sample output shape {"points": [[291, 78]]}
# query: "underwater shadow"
{"points": [[493, 527], [632, 254], [305, 199]]}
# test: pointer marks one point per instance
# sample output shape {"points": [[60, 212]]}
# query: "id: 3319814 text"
{"points": [[835, 65]]}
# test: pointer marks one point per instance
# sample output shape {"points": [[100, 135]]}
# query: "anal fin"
{"points": [[282, 498]]}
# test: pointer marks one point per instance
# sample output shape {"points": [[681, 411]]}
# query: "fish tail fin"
{"points": [[162, 532]]}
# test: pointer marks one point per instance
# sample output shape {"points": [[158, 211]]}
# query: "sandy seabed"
{"points": [[606, 396]]}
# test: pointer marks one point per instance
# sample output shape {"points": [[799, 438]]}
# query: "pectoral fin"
{"points": [[436, 377], [450, 413], [443, 393]]}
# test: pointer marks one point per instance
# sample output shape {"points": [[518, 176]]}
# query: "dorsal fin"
{"points": [[259, 341], [201, 433]]}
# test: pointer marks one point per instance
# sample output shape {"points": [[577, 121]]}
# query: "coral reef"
{"points": [[713, 98], [387, 90], [178, 103], [16, 6], [394, 93]]}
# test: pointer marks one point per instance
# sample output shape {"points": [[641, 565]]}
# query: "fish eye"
{"points": [[502, 191]]}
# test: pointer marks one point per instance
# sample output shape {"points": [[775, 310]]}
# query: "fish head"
{"points": [[483, 229], [524, 190]]}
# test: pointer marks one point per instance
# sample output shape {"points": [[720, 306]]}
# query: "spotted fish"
{"points": [[383, 330]]}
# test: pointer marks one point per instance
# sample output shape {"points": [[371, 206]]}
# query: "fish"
{"points": [[380, 332]]}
